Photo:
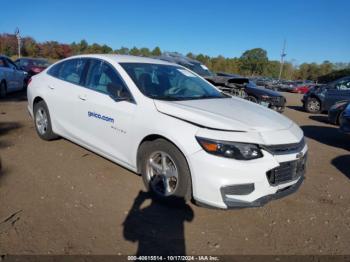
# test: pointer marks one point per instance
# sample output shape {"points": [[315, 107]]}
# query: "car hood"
{"points": [[227, 114]]}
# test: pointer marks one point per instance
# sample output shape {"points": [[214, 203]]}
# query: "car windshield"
{"points": [[167, 82]]}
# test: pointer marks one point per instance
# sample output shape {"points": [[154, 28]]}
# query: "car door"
{"points": [[105, 120], [338, 92], [63, 86], [4, 71], [17, 76], [8, 73]]}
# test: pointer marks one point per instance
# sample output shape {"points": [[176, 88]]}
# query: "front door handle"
{"points": [[82, 97], [51, 87]]}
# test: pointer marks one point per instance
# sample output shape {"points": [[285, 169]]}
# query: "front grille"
{"points": [[286, 171], [285, 148]]}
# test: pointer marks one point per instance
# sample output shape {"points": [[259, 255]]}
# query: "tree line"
{"points": [[253, 62]]}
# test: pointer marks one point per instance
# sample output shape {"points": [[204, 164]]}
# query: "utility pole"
{"points": [[18, 36], [283, 54]]}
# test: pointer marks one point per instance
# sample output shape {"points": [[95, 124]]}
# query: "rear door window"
{"points": [[55, 70], [71, 70]]}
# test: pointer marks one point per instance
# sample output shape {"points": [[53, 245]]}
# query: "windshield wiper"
{"points": [[174, 98], [168, 98], [204, 97]]}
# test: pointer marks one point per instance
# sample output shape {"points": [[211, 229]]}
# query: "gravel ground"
{"points": [[58, 198]]}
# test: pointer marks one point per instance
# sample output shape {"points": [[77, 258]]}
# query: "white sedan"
{"points": [[163, 121]]}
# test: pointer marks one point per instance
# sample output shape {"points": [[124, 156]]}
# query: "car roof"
{"points": [[177, 58], [124, 58]]}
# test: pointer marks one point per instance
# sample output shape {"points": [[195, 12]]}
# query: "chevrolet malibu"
{"points": [[163, 121]]}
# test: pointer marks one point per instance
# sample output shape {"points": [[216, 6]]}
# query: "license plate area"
{"points": [[287, 171]]}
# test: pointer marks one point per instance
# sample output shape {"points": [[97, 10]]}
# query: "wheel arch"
{"points": [[150, 138], [36, 100], [153, 137]]}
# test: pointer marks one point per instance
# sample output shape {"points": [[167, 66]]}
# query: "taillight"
{"points": [[30, 80]]}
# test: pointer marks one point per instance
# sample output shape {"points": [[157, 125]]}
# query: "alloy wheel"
{"points": [[314, 105], [162, 173], [41, 120]]}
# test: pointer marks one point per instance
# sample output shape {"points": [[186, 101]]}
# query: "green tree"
{"points": [[122, 51], [106, 49], [272, 69], [145, 52], [254, 61], [134, 51], [82, 47], [190, 55], [156, 51]]}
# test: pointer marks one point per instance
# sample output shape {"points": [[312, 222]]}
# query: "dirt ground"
{"points": [[58, 198]]}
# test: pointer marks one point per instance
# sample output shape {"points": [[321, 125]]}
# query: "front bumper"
{"points": [[345, 127], [276, 103], [212, 175], [265, 199]]}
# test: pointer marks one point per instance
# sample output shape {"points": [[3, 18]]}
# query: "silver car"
{"points": [[11, 77]]}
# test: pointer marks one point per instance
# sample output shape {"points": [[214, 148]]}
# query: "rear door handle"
{"points": [[51, 87], [82, 97]]}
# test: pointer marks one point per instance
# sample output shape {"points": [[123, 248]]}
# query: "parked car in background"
{"points": [[285, 85], [261, 95], [302, 89], [321, 98], [230, 83], [335, 112], [32, 66], [11, 77], [345, 120]]}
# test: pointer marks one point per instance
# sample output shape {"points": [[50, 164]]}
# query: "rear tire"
{"points": [[313, 105], [168, 181], [42, 121], [3, 89]]}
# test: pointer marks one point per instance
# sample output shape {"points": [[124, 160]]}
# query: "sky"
{"points": [[315, 30]]}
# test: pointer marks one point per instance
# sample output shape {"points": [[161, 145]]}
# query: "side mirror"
{"points": [[118, 92]]}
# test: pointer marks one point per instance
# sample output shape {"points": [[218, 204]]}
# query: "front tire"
{"points": [[165, 171], [313, 105], [42, 121]]}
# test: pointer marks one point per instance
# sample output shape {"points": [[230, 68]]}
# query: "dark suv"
{"points": [[321, 98]]}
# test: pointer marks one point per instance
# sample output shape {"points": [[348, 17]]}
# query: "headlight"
{"points": [[266, 97], [239, 151]]}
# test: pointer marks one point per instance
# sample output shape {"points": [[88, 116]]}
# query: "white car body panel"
{"points": [[229, 119], [218, 114]]}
